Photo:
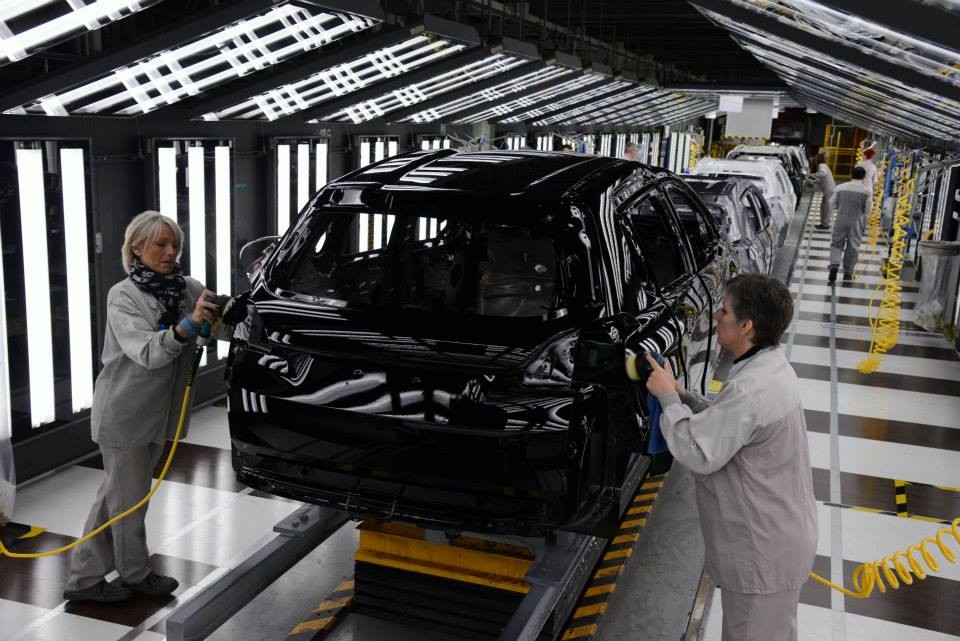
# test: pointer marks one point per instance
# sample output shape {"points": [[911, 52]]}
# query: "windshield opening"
{"points": [[359, 259]]}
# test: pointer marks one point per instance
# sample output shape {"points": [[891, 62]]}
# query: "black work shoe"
{"points": [[822, 227], [102, 592], [154, 585], [832, 276], [848, 277]]}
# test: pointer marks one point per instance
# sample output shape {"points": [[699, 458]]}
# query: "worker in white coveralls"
{"points": [[748, 451], [853, 202]]}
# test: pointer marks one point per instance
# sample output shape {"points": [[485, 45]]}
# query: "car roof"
{"points": [[748, 167], [707, 186]]}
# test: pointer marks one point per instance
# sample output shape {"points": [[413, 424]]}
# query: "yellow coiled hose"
{"points": [[184, 406], [903, 564], [885, 325]]}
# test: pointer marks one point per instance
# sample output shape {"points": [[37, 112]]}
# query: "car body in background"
{"points": [[743, 214], [769, 177], [422, 344], [787, 158]]}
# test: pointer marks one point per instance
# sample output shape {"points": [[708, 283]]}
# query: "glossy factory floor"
{"points": [[899, 426]]}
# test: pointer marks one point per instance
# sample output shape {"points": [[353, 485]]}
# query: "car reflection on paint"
{"points": [[410, 344]]}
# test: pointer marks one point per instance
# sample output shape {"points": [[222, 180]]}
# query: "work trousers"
{"points": [[760, 617], [847, 235], [826, 210], [122, 546]]}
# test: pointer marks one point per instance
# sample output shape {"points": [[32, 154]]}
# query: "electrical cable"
{"points": [[184, 407]]}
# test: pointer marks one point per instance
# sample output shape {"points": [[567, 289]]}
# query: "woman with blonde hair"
{"points": [[153, 317]]}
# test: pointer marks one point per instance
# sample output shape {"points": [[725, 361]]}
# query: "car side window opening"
{"points": [[750, 209], [430, 263], [658, 241], [701, 232], [763, 210]]}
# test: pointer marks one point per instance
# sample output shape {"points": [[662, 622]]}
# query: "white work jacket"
{"points": [[749, 454]]}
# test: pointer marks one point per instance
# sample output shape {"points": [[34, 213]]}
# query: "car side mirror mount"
{"points": [[599, 360]]}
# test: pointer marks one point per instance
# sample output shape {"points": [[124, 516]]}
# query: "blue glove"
{"points": [[188, 326], [656, 443]]}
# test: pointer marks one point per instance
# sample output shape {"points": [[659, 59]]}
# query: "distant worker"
{"points": [[823, 179], [869, 167], [750, 457], [853, 201], [630, 151]]}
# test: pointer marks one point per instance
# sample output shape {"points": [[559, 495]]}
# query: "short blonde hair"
{"points": [[144, 228]]}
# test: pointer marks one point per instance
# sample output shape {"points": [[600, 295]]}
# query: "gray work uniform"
{"points": [[749, 454], [136, 407], [825, 183], [853, 201]]}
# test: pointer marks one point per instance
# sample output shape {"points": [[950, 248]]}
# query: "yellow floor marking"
{"points": [[640, 509], [626, 525], [605, 572], [626, 538], [582, 631], [34, 531], [331, 604], [644, 497], [600, 589], [589, 610], [346, 585], [312, 625], [651, 485], [618, 554]]}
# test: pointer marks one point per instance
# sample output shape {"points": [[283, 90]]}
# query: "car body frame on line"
{"points": [[439, 338], [788, 159]]}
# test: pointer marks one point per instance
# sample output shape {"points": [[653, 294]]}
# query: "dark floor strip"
{"points": [[840, 319], [880, 379], [929, 604], [840, 285], [878, 429], [194, 465], [918, 351], [878, 493], [40, 581], [849, 300]]}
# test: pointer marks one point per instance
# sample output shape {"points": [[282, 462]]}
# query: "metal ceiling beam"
{"points": [[918, 19], [815, 43], [186, 30]]}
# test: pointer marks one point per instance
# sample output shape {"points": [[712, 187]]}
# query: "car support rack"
{"points": [[294, 538]]}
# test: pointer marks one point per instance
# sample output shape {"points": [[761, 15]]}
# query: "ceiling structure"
{"points": [[540, 63]]}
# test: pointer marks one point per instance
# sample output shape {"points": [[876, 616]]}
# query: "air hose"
{"points": [[903, 564], [184, 407], [885, 326]]}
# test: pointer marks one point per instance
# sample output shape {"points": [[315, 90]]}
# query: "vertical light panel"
{"points": [[421, 228], [377, 231], [33, 216], [224, 197], [283, 188], [365, 157], [393, 146], [321, 150], [424, 145], [197, 215], [303, 174], [78, 277], [167, 181], [364, 235], [685, 156], [378, 150]]}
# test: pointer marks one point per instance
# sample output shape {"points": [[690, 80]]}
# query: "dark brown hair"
{"points": [[765, 301]]}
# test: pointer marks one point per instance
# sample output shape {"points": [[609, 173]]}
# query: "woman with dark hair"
{"points": [[153, 317], [749, 454]]}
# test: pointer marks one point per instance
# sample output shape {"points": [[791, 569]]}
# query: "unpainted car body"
{"points": [[787, 158], [743, 214], [409, 350]]}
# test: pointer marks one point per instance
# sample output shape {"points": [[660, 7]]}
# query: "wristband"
{"points": [[177, 337], [189, 327]]}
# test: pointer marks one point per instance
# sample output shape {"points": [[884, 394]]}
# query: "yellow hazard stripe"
{"points": [[589, 610], [613, 570], [644, 497], [333, 604], [640, 509], [346, 585], [618, 554], [580, 632], [626, 525], [626, 538], [600, 589], [651, 485], [34, 531], [313, 625]]}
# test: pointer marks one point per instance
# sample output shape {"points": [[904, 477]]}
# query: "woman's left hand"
{"points": [[204, 310]]}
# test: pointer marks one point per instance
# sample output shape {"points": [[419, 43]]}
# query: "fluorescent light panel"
{"points": [[321, 150], [503, 108], [167, 181], [74, 18], [340, 80], [6, 419], [74, 191], [197, 201], [426, 89], [569, 116], [496, 92], [283, 188], [224, 197], [166, 77], [303, 174], [601, 114], [569, 101], [36, 277], [374, 149]]}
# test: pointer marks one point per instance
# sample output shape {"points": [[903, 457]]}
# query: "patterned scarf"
{"points": [[168, 288]]}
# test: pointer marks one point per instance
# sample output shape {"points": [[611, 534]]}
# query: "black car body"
{"points": [[409, 347], [744, 216]]}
